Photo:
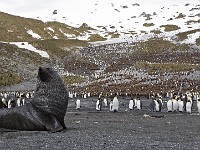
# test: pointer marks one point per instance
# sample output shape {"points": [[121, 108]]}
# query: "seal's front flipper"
{"points": [[53, 125]]}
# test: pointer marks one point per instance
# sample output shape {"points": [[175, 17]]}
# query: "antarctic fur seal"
{"points": [[45, 112]]}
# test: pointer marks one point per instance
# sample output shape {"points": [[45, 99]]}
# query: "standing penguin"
{"points": [[156, 105], [174, 104], [105, 102], [152, 106], [160, 104], [115, 106], [180, 105], [131, 104], [189, 107], [111, 105], [135, 102], [78, 104], [18, 101], [198, 105], [169, 105], [139, 104], [98, 106]]}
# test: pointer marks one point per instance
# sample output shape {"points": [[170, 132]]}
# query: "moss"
{"points": [[169, 28]]}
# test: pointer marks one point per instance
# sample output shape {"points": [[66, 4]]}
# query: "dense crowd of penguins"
{"points": [[14, 99], [174, 102]]}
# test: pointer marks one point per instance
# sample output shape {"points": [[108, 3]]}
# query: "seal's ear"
{"points": [[44, 74]]}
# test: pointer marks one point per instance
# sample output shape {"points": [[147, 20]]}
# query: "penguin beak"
{"points": [[44, 75]]}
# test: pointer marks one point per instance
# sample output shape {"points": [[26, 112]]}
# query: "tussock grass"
{"points": [[96, 37], [156, 46], [14, 28], [169, 27], [18, 64], [55, 47], [184, 35], [148, 24], [166, 67], [68, 80], [198, 41], [156, 31], [114, 35], [9, 78], [192, 22]]}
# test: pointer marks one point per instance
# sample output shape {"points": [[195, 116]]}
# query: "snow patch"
{"points": [[34, 35], [49, 28], [28, 46], [114, 15]]}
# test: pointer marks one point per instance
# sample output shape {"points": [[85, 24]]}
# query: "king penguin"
{"points": [[98, 106], [169, 105], [139, 104], [189, 107], [115, 106], [78, 104], [131, 105], [198, 105], [180, 105]]}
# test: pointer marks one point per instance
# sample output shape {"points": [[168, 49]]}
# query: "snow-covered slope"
{"points": [[123, 16]]}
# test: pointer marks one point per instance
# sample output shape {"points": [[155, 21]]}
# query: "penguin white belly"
{"points": [[78, 104], [180, 105], [135, 102], [188, 107], [9, 104], [115, 104], [18, 102], [156, 105], [169, 105], [175, 105], [138, 104], [198, 107], [105, 102], [131, 104], [111, 106]]}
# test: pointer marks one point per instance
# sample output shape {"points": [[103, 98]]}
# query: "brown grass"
{"points": [[169, 28]]}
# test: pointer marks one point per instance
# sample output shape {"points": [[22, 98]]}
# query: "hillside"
{"points": [[130, 48]]}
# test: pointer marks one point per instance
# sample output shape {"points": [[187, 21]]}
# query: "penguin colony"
{"points": [[14, 99], [174, 102]]}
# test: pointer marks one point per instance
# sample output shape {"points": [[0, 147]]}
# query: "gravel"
{"points": [[126, 129]]}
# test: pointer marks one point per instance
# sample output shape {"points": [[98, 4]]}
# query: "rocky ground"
{"points": [[91, 129]]}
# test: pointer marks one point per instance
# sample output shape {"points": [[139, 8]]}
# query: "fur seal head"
{"points": [[51, 94]]}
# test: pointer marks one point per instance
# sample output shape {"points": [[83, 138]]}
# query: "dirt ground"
{"points": [[125, 130]]}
